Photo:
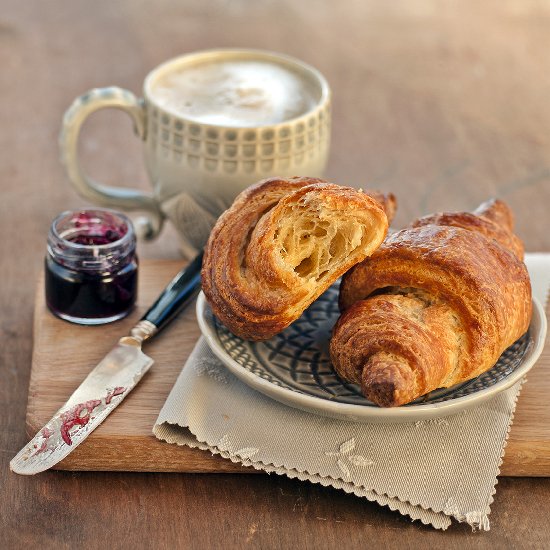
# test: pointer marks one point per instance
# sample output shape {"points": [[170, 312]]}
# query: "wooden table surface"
{"points": [[444, 103]]}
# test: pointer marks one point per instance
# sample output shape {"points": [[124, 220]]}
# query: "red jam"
{"points": [[91, 266]]}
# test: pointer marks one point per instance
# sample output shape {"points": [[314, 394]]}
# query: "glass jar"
{"points": [[91, 266]]}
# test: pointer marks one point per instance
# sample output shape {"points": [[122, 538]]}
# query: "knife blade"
{"points": [[111, 380]]}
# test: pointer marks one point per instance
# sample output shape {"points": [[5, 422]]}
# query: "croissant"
{"points": [[281, 244], [435, 305]]}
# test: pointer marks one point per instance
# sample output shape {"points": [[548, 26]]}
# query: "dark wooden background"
{"points": [[444, 103]]}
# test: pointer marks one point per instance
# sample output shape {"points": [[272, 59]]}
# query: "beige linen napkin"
{"points": [[430, 470]]}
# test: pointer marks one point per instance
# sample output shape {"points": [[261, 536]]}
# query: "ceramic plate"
{"points": [[294, 367]]}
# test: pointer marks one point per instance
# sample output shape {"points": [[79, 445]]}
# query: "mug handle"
{"points": [[104, 195]]}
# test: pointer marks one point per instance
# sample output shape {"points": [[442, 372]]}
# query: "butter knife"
{"points": [[108, 383]]}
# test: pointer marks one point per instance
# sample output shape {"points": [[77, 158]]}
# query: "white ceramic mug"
{"points": [[198, 168]]}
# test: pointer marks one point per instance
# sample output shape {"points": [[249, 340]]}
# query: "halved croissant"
{"points": [[435, 305], [281, 244]]}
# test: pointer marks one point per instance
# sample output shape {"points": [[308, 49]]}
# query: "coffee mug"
{"points": [[212, 123]]}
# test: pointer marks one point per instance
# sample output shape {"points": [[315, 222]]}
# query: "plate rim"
{"points": [[360, 413]]}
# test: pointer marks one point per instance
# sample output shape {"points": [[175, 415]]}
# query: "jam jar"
{"points": [[91, 266]]}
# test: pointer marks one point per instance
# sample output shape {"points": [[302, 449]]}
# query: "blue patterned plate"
{"points": [[294, 367]]}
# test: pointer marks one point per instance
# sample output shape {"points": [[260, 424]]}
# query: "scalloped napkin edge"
{"points": [[431, 471]]}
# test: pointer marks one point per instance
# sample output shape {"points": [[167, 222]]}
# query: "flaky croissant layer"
{"points": [[281, 244], [435, 305]]}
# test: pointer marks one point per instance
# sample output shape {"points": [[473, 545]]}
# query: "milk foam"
{"points": [[234, 93]]}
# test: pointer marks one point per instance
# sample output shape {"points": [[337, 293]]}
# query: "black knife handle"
{"points": [[179, 292]]}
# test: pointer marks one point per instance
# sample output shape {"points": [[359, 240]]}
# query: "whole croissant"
{"points": [[281, 244], [435, 305]]}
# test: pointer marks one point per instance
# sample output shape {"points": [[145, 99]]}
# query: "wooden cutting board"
{"points": [[64, 354]]}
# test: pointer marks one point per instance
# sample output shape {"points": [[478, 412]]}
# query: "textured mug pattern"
{"points": [[265, 150]]}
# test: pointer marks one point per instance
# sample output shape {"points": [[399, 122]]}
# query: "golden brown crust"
{"points": [[387, 200], [493, 218], [435, 305], [280, 245]]}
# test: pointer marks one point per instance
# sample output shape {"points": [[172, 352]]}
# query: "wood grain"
{"points": [[64, 353], [443, 103]]}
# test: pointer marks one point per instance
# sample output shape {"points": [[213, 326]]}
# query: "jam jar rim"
{"points": [[128, 236], [110, 255]]}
